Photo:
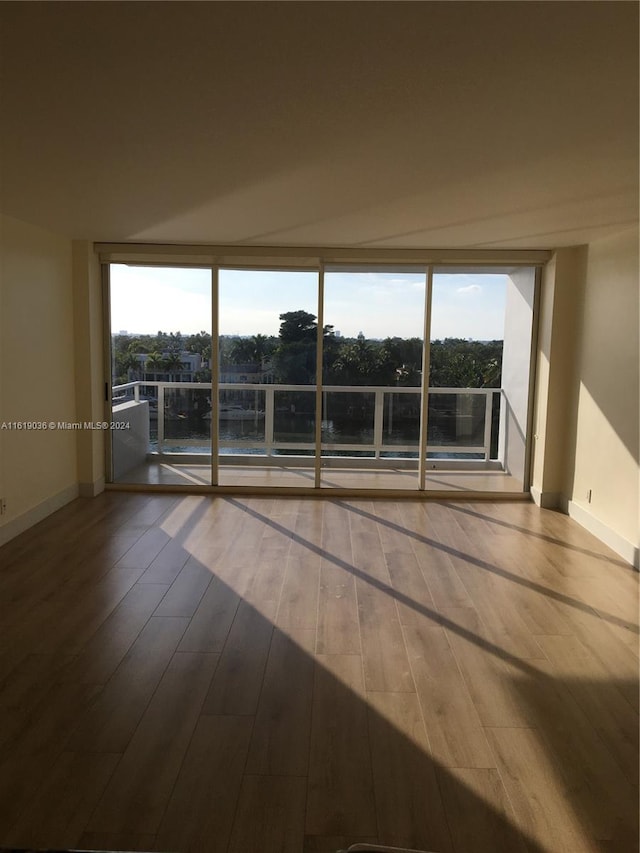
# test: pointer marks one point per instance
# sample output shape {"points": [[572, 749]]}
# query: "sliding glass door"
{"points": [[480, 356], [160, 321], [267, 377], [315, 377], [372, 375]]}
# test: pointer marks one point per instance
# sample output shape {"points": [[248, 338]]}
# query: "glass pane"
{"points": [[268, 330], [480, 333], [160, 354], [456, 421], [373, 352], [401, 425], [347, 423], [294, 421], [187, 429]]}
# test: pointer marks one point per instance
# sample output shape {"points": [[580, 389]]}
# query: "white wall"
{"points": [[606, 440], [516, 361], [587, 441], [89, 362], [561, 299], [37, 468]]}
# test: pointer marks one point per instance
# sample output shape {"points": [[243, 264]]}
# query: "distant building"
{"points": [[191, 363], [259, 373]]}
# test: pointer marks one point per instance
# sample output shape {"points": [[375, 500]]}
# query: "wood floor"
{"points": [[244, 675]]}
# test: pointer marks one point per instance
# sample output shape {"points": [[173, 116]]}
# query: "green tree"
{"points": [[172, 362], [295, 356], [357, 363], [294, 351], [242, 351], [154, 362], [199, 343], [459, 363], [297, 327]]}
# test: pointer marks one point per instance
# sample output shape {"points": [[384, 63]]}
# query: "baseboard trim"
{"points": [[548, 500], [90, 490], [627, 550], [23, 522]]}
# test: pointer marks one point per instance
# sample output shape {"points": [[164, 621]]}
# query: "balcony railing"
{"points": [[266, 421]]}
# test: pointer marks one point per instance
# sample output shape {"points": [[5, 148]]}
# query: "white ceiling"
{"points": [[382, 124]]}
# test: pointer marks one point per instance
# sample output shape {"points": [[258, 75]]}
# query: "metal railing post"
{"points": [[317, 478], [214, 436], [160, 416], [424, 398], [378, 419], [269, 410], [488, 408]]}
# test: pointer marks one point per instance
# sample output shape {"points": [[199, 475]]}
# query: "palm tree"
{"points": [[172, 363], [243, 351], [153, 362], [127, 366]]}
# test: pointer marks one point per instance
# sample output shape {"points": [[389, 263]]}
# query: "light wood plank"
{"points": [[140, 788], [58, 813], [109, 725], [23, 690], [603, 644], [366, 545], [116, 841], [408, 801], [166, 567], [480, 815], [533, 781], [80, 611], [53, 719], [413, 596], [340, 786], [338, 624], [456, 738], [209, 627], [264, 591], [488, 670], [104, 652], [280, 740], [386, 665], [200, 813], [270, 815], [600, 793], [145, 550], [21, 777], [251, 525], [298, 605], [497, 593], [238, 680], [597, 694], [414, 599], [186, 591], [442, 579], [37, 746], [512, 555]]}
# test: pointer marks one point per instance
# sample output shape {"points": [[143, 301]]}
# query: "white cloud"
{"points": [[470, 288]]}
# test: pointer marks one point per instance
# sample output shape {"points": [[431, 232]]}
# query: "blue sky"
{"points": [[379, 304]]}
